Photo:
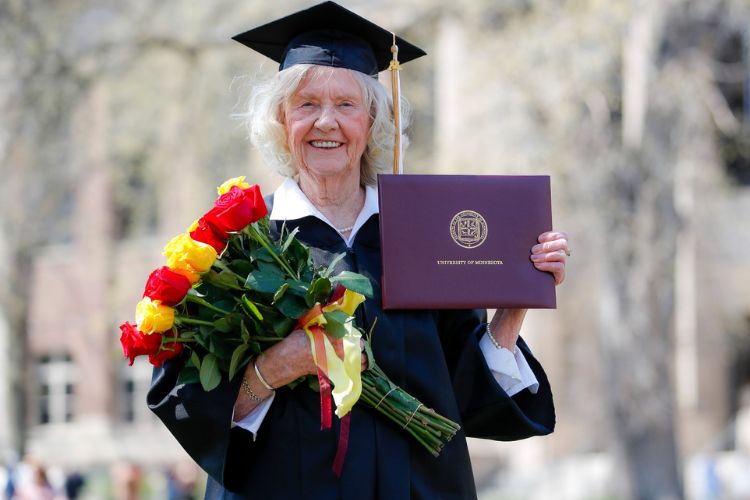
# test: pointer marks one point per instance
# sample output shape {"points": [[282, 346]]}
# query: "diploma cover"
{"points": [[463, 241]]}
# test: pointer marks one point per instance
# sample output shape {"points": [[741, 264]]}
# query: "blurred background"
{"points": [[116, 125]]}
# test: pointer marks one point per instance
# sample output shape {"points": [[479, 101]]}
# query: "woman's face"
{"points": [[327, 124]]}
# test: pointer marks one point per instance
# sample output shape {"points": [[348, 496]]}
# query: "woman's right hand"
{"points": [[291, 358], [287, 360], [279, 365]]}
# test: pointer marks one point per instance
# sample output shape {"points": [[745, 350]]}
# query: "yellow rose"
{"points": [[230, 183], [152, 316], [189, 257], [191, 276]]}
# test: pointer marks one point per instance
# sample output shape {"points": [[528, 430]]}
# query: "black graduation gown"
{"points": [[432, 354]]}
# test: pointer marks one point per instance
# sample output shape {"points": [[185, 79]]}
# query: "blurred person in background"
{"points": [[35, 485], [127, 479], [74, 484]]}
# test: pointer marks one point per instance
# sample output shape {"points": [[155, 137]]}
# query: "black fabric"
{"points": [[432, 354], [327, 34], [330, 48]]}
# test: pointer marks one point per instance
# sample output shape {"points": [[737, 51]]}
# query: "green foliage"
{"points": [[354, 282], [209, 372], [251, 298]]}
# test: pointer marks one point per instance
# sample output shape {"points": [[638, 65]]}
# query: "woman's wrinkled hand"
{"points": [[551, 254], [291, 358]]}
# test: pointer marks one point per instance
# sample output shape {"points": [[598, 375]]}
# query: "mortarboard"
{"points": [[328, 35]]}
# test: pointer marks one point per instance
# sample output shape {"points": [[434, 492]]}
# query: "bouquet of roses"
{"points": [[229, 291]]}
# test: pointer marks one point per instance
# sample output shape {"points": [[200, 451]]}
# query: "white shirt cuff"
{"points": [[511, 370], [252, 420]]}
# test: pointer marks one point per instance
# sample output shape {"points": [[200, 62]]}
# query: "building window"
{"points": [[135, 382], [733, 80], [56, 390]]}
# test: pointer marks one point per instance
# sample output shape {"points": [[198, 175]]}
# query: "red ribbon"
{"points": [[326, 401], [338, 461]]}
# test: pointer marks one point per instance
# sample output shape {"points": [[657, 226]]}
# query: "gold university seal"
{"points": [[468, 229]]}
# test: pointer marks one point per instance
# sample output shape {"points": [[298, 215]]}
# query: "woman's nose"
{"points": [[327, 119]]}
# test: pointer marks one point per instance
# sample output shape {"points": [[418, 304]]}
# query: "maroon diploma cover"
{"points": [[463, 241]]}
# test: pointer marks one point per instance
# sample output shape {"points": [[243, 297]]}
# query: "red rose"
{"points": [[204, 233], [168, 351], [134, 343], [236, 208], [166, 286]]}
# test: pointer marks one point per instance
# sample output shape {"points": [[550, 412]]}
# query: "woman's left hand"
{"points": [[551, 254]]}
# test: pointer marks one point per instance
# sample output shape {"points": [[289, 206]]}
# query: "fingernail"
{"points": [[536, 248]]}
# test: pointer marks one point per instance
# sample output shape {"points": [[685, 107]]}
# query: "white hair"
{"points": [[264, 120]]}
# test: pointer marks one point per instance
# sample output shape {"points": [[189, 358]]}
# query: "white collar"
{"points": [[290, 203]]}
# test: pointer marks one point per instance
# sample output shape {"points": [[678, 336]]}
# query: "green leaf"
{"points": [[251, 308], [335, 329], [292, 306], [262, 255], [244, 333], [354, 282], [328, 270], [223, 279], [195, 359], [242, 266], [280, 292], [318, 291], [289, 239], [209, 276], [283, 327], [223, 325], [219, 347], [338, 316], [255, 347], [297, 287], [271, 268], [188, 375], [187, 334], [224, 305], [306, 271], [264, 282], [257, 324], [209, 373], [206, 332], [237, 357], [298, 255]]}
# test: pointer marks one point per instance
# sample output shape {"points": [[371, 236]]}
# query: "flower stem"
{"points": [[260, 238], [182, 320], [266, 339], [206, 304]]}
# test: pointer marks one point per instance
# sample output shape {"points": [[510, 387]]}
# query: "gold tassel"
{"points": [[394, 68]]}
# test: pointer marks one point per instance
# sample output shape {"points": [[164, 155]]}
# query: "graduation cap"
{"points": [[328, 35]]}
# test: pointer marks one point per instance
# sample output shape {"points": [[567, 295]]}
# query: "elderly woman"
{"points": [[325, 123]]}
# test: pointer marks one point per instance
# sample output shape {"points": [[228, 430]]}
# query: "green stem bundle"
{"points": [[429, 428]]}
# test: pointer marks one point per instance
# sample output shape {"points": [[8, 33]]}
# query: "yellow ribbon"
{"points": [[345, 375]]}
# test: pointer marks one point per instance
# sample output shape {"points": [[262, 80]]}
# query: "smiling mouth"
{"points": [[325, 144]]}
